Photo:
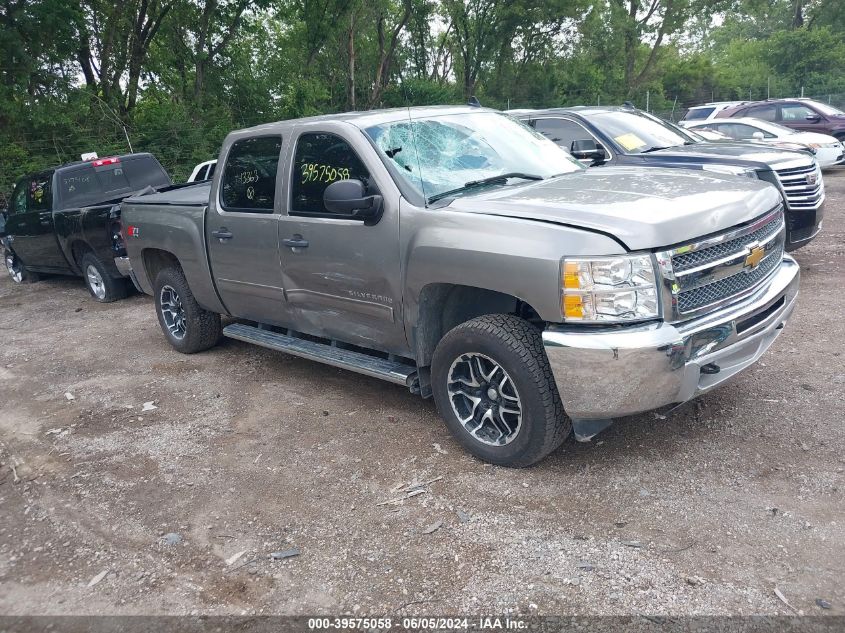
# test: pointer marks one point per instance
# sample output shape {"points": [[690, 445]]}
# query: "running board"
{"points": [[390, 370]]}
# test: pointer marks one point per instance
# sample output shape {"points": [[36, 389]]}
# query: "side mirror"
{"points": [[758, 135], [813, 118], [348, 197], [588, 149]]}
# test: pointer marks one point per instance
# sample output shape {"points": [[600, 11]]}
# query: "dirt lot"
{"points": [[251, 452]]}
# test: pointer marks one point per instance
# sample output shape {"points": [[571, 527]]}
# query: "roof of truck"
{"points": [[583, 110], [366, 118], [76, 163]]}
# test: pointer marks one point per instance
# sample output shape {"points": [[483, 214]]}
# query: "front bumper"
{"points": [[803, 225], [613, 372]]}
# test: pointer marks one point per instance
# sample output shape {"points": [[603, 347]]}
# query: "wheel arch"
{"points": [[155, 260], [443, 306], [78, 248]]}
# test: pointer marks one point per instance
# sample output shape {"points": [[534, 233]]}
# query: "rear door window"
{"points": [[698, 113], [249, 175], [79, 186], [766, 112]]}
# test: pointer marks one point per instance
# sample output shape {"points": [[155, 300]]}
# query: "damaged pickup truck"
{"points": [[460, 253]]}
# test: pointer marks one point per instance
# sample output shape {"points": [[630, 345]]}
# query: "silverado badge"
{"points": [[754, 257]]}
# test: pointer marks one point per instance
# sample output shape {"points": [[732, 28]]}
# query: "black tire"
{"points": [[18, 273], [517, 347], [200, 329], [101, 285]]}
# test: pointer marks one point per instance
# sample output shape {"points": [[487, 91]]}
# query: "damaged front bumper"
{"points": [[613, 372]]}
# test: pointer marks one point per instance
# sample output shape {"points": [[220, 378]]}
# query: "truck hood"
{"points": [[643, 208], [729, 152]]}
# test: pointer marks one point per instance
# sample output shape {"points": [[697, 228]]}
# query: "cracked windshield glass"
{"points": [[456, 154]]}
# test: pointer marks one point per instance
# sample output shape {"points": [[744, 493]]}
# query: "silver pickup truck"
{"points": [[458, 252]]}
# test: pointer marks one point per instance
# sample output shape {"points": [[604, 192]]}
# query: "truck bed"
{"points": [[178, 195]]}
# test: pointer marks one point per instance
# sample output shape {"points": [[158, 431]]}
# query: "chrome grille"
{"points": [[729, 286], [702, 276], [803, 186], [693, 259]]}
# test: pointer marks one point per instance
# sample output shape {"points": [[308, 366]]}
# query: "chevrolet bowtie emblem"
{"points": [[754, 258]]}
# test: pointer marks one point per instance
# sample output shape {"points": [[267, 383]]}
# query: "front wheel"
{"points": [[494, 388], [188, 328], [17, 271]]}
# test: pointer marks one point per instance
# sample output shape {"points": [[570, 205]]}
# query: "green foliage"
{"points": [[176, 76]]}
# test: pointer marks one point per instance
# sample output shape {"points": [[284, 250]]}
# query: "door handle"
{"points": [[222, 234], [295, 242]]}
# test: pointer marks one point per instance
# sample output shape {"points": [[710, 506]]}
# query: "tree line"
{"points": [[174, 76]]}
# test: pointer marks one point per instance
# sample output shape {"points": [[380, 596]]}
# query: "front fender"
{"points": [[518, 257]]}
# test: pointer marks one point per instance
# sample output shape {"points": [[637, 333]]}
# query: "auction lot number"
{"points": [[315, 624]]}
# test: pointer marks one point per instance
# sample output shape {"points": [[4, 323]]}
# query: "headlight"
{"points": [[608, 289], [732, 170]]}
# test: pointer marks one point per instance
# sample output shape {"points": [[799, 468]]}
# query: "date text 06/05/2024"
{"points": [[417, 623]]}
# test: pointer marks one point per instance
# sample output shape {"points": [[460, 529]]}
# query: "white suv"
{"points": [[706, 112]]}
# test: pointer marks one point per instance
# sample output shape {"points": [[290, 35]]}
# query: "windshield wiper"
{"points": [[472, 184], [656, 149]]}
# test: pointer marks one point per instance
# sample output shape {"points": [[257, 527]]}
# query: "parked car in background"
{"points": [[828, 150], [706, 112], [457, 252], [627, 136], [203, 171], [66, 220], [805, 115], [706, 134]]}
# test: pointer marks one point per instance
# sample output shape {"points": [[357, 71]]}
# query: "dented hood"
{"points": [[643, 208]]}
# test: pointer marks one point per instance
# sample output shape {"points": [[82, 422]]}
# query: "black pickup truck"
{"points": [[66, 220]]}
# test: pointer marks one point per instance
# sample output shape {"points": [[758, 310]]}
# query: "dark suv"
{"points": [[627, 136], [799, 114]]}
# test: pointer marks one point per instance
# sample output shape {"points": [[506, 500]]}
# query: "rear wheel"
{"points": [[102, 286], [187, 327], [17, 271], [494, 388]]}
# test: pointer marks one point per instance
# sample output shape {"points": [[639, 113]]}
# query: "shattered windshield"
{"points": [[457, 154]]}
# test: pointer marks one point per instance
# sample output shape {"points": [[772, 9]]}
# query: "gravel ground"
{"points": [[106, 508]]}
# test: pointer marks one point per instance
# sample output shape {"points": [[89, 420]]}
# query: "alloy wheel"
{"points": [[95, 281], [485, 399], [15, 269], [173, 312]]}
